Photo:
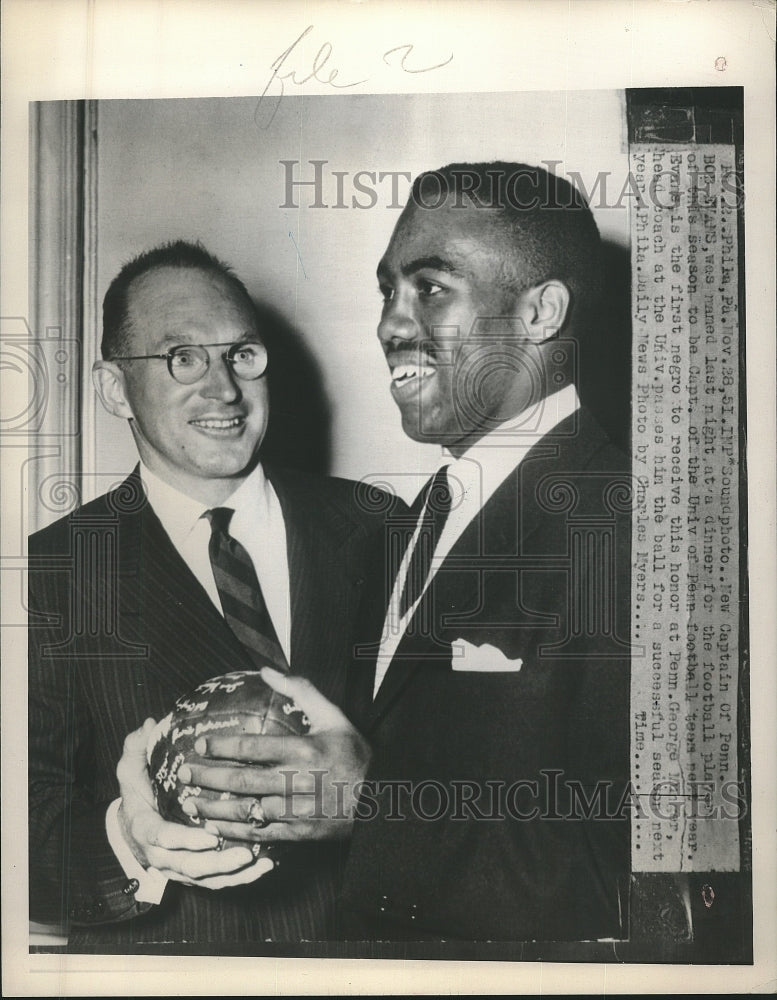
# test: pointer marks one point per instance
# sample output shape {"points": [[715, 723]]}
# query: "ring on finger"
{"points": [[256, 815]]}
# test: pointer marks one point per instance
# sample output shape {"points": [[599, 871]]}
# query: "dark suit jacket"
{"points": [[542, 574], [119, 628]]}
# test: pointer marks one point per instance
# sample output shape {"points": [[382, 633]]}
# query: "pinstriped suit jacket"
{"points": [[119, 628]]}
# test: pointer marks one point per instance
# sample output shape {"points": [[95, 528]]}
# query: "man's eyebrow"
{"points": [[185, 339], [173, 340], [432, 262]]}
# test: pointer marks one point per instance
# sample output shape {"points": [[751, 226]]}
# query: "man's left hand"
{"points": [[178, 852], [290, 787]]}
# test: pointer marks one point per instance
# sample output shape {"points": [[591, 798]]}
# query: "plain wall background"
{"points": [[210, 169]]}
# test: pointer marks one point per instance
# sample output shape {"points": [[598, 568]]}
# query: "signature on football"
{"points": [[291, 68]]}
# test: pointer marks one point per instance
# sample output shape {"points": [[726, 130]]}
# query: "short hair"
{"points": [[116, 335], [549, 223]]}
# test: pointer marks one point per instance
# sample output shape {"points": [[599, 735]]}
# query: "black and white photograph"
{"points": [[387, 449]]}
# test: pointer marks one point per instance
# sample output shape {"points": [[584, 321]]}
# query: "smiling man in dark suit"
{"points": [[502, 676], [127, 613], [494, 688]]}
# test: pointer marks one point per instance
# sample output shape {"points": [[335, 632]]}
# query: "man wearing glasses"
{"points": [[128, 611]]}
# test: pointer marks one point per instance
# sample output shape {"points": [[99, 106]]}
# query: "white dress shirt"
{"points": [[473, 479], [257, 523]]}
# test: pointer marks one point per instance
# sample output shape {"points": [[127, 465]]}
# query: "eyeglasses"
{"points": [[187, 363]]}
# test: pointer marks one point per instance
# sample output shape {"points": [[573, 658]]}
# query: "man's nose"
{"points": [[398, 322], [219, 382]]}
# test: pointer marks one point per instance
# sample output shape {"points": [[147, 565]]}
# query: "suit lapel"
{"points": [[385, 556], [372, 613], [165, 605], [322, 580]]}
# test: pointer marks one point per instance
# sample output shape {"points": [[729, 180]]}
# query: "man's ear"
{"points": [[109, 383], [544, 310]]}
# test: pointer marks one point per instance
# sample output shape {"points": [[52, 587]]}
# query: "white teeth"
{"points": [[403, 373], [218, 425]]}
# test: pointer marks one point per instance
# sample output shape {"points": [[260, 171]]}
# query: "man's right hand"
{"points": [[182, 853]]}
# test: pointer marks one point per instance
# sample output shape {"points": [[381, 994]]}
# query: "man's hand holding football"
{"points": [[287, 787]]}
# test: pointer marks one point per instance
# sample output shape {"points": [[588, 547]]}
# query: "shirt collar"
{"points": [[180, 513], [486, 463]]}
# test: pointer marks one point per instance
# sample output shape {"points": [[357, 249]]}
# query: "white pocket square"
{"points": [[485, 658]]}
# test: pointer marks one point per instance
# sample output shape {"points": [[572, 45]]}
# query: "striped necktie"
{"points": [[437, 506], [241, 596]]}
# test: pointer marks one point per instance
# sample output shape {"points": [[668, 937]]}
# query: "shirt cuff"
{"points": [[151, 882]]}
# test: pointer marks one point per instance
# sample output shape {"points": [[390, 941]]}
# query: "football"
{"points": [[234, 704]]}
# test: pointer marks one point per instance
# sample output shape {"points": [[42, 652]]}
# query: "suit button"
{"points": [[131, 886], [413, 913], [384, 904]]}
